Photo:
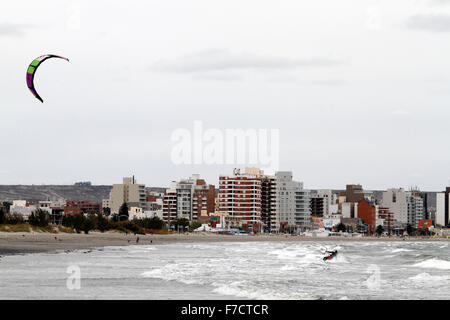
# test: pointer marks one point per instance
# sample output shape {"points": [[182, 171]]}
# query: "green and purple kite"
{"points": [[32, 71]]}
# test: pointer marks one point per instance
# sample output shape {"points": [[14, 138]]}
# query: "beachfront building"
{"points": [[240, 198], [189, 199], [263, 202], [321, 202], [408, 207], [268, 203], [292, 203], [443, 208], [127, 192], [170, 203], [367, 213], [387, 217], [395, 200], [416, 208]]}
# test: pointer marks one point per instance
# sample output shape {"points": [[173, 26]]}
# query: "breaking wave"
{"points": [[434, 263]]}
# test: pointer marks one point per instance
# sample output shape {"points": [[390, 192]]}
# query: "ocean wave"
{"points": [[434, 263], [172, 272], [242, 289], [400, 250], [426, 277]]}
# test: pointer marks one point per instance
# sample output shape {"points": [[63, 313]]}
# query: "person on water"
{"points": [[331, 255]]}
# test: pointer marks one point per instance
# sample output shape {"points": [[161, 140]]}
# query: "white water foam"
{"points": [[434, 264], [426, 277]]}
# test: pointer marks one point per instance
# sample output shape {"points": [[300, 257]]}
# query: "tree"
{"points": [[2, 216], [102, 223], [39, 218], [123, 212], [183, 222], [150, 223], [78, 222], [341, 227], [379, 230], [195, 225], [106, 212], [409, 229], [14, 218], [89, 223]]}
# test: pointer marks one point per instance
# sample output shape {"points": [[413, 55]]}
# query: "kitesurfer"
{"points": [[331, 255]]}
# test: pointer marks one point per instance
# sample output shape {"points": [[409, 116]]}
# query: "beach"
{"points": [[35, 242]]}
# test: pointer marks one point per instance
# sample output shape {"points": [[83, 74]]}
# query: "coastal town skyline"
{"points": [[270, 202]]}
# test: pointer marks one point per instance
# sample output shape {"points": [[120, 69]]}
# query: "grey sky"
{"points": [[358, 89]]}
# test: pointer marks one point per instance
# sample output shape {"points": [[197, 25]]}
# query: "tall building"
{"points": [[203, 199], [388, 217], [240, 198], [130, 192], [268, 203], [321, 202], [188, 198], [443, 207], [416, 208], [292, 202], [265, 202], [170, 207], [395, 200], [367, 213]]}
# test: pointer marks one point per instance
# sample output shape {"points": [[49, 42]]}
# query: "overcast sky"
{"points": [[359, 90]]}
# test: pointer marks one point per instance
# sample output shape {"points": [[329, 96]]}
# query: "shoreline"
{"points": [[12, 243]]}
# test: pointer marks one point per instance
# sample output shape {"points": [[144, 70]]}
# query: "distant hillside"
{"points": [[34, 193]]}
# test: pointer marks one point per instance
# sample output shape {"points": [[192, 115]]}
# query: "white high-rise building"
{"points": [[395, 200], [416, 209], [291, 202], [443, 207]]}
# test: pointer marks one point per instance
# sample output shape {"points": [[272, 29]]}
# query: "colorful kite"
{"points": [[32, 71]]}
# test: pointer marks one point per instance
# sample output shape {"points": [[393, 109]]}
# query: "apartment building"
{"points": [[321, 202], [367, 213], [240, 198], [395, 200], [269, 203], [188, 198], [127, 192], [292, 202], [415, 207], [443, 208]]}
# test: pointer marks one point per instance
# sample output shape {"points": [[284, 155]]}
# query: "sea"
{"points": [[259, 270]]}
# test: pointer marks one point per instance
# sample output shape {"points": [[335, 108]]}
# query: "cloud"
{"points": [[440, 1], [224, 60], [429, 22], [219, 77], [13, 30], [400, 112]]}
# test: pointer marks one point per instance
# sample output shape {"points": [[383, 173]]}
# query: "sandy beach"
{"points": [[23, 242]]}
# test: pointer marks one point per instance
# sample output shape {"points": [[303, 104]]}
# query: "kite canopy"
{"points": [[32, 71]]}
